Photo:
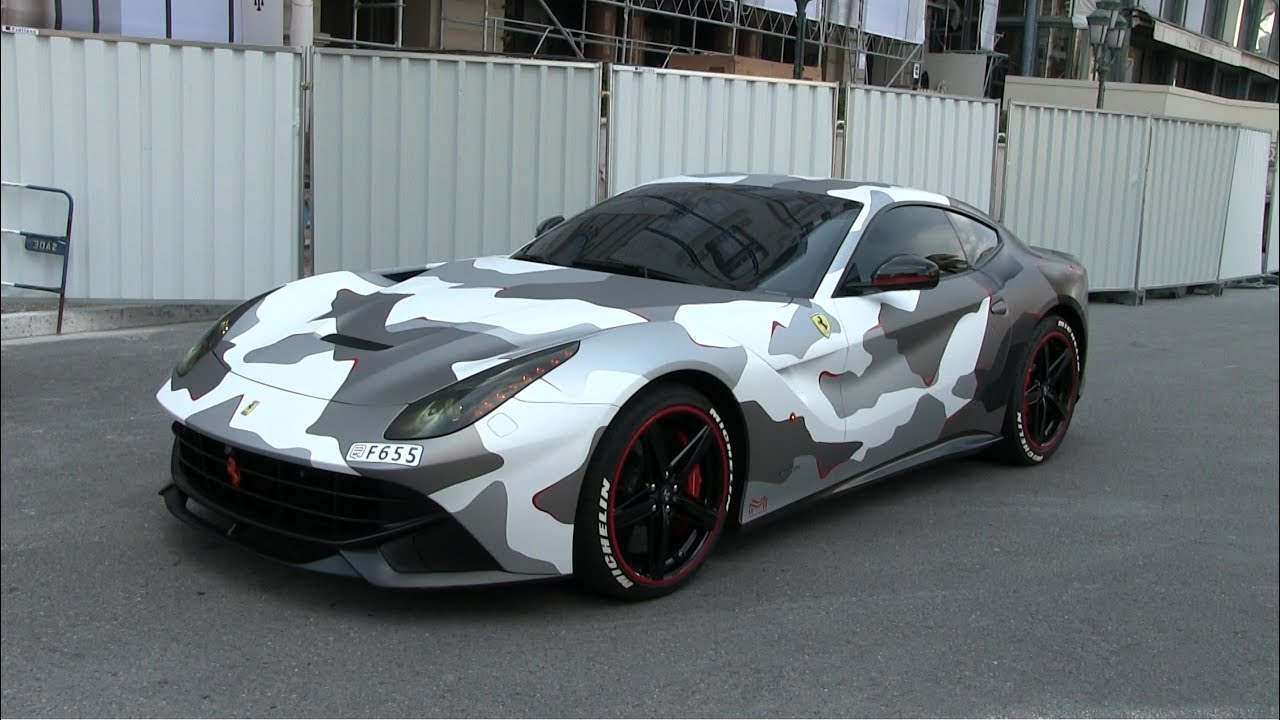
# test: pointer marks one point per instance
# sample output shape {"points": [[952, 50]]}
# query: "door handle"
{"points": [[999, 306]]}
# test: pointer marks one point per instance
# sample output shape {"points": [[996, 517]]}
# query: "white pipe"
{"points": [[301, 23]]}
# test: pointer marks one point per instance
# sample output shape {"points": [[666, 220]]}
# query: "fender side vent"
{"points": [[354, 342]]}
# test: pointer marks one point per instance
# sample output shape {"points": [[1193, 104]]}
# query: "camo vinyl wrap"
{"points": [[895, 371]]}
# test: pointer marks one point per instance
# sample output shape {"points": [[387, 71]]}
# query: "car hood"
{"points": [[364, 339]]}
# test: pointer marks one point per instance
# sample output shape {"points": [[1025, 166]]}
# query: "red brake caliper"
{"points": [[693, 483]]}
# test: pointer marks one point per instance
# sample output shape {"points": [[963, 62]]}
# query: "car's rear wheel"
{"points": [[1043, 399], [656, 495]]}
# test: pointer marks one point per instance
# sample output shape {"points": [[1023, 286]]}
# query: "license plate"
{"points": [[392, 454]]}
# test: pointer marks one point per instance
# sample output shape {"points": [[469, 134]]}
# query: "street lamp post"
{"points": [[798, 71], [1108, 35]]}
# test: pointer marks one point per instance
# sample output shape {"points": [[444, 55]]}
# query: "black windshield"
{"points": [[732, 236]]}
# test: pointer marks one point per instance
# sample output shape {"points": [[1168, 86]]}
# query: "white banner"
{"points": [[987, 26], [897, 19]]}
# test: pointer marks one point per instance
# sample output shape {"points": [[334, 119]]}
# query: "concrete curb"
{"points": [[36, 323]]}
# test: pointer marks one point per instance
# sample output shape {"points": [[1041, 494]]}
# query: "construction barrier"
{"points": [[427, 157], [183, 159]]}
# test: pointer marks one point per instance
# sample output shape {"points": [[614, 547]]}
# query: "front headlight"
{"points": [[468, 400], [214, 335]]}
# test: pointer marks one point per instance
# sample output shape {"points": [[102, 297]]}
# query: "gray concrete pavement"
{"points": [[1135, 574]]}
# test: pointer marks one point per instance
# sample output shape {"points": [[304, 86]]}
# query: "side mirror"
{"points": [[547, 224], [906, 272]]}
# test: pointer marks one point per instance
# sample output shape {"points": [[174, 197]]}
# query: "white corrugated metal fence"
{"points": [[432, 158], [185, 161], [182, 159], [1185, 209], [1145, 202], [1246, 209], [1074, 182], [672, 122], [934, 142]]}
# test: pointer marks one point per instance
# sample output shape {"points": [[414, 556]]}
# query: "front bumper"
{"points": [[383, 532]]}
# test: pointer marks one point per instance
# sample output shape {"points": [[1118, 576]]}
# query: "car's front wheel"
{"points": [[656, 495], [1043, 398]]}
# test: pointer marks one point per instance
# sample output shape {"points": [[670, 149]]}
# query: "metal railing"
{"points": [[44, 243]]}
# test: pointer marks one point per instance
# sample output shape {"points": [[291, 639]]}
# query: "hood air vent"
{"points": [[354, 342]]}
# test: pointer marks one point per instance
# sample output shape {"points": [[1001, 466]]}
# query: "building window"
{"points": [[1215, 18], [1174, 11], [1266, 43], [1257, 27]]}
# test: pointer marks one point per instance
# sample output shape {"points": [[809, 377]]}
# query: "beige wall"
{"points": [[957, 73], [1144, 99], [463, 29], [419, 31]]}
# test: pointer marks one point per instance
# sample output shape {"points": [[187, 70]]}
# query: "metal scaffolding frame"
{"points": [[358, 5], [733, 16]]}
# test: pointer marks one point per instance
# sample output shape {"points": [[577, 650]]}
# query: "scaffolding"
{"points": [[367, 5], [652, 32], [732, 21]]}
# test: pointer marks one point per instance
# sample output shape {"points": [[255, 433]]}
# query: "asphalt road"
{"points": [[1135, 574]]}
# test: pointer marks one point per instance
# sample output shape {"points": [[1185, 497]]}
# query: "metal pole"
{"points": [[66, 260], [564, 33], [624, 53], [798, 73], [859, 51], [1030, 42], [1102, 80], [822, 36]]}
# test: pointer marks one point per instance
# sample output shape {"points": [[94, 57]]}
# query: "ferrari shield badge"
{"points": [[249, 408], [821, 322]]}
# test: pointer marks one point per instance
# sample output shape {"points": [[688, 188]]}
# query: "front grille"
{"points": [[311, 504]]}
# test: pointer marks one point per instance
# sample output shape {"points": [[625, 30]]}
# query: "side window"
{"points": [[977, 239], [908, 230]]}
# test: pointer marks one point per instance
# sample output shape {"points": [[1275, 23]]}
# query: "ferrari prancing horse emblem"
{"points": [[249, 408], [822, 323]]}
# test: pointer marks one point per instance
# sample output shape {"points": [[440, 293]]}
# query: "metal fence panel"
{"points": [[182, 158], [670, 122], [1074, 182], [1185, 211], [421, 158], [933, 142], [1246, 208], [1273, 225]]}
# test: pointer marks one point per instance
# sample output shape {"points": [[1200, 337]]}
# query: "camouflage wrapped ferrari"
{"points": [[695, 354]]}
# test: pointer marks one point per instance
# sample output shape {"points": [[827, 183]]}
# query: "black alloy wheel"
{"points": [[657, 496], [1044, 395]]}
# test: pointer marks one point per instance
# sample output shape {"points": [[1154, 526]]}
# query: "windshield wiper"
{"points": [[626, 268]]}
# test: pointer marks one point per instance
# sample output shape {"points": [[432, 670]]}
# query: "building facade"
{"points": [[1218, 47]]}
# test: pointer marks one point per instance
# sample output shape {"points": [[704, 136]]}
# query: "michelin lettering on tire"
{"points": [[1022, 441], [606, 547], [728, 451]]}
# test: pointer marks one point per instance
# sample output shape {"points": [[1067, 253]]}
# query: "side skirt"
{"points": [[952, 449]]}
